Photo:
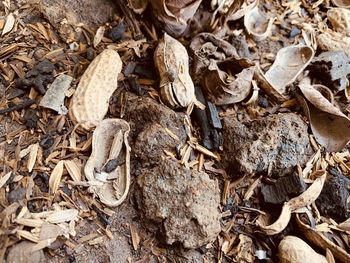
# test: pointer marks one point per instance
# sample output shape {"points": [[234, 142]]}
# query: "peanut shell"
{"points": [[90, 101]]}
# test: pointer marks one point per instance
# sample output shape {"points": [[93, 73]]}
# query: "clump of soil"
{"points": [[274, 144], [184, 202]]}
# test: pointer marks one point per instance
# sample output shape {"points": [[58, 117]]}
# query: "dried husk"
{"points": [[239, 9], [228, 82], [138, 6], [206, 47], [171, 60], [318, 238], [55, 177], [289, 63], [341, 3], [304, 199], [258, 25], [294, 250], [91, 99], [334, 41], [173, 15], [329, 125], [340, 19], [111, 192]]}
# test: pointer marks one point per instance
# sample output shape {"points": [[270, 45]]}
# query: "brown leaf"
{"points": [[341, 3], [329, 125], [134, 237], [224, 87], [257, 24], [73, 170], [138, 6], [9, 24]]}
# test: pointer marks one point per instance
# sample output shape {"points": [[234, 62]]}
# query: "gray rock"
{"points": [[277, 141], [185, 202]]}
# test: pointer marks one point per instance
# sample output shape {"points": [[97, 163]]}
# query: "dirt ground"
{"points": [[204, 179]]}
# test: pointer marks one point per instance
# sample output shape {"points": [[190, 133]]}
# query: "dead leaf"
{"points": [[228, 82], [9, 24], [333, 41], [4, 179], [55, 94], [61, 216], [340, 19], [138, 6], [341, 3], [329, 125], [55, 177], [293, 249]]}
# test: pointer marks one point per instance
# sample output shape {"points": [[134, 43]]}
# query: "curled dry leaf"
{"points": [[334, 41], [305, 199], [55, 177], [289, 63], [91, 99], [173, 15], [294, 250], [138, 6], [54, 96], [171, 60], [228, 82], [111, 185], [340, 19], [257, 24], [342, 3], [329, 125], [206, 47], [320, 240]]}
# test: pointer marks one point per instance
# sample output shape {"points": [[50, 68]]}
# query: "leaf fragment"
{"points": [[55, 177]]}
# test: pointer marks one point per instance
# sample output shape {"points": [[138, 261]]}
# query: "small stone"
{"points": [[16, 195], [276, 143], [185, 202], [117, 33]]}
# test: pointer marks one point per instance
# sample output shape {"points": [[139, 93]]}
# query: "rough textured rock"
{"points": [[276, 142], [149, 137], [185, 202], [22, 253], [332, 201]]}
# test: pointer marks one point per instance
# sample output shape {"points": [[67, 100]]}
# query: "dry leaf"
{"points": [[244, 7], [257, 24], [228, 82], [98, 36], [32, 156], [318, 239], [55, 94], [90, 101], [294, 250], [244, 250], [9, 24], [289, 63], [171, 60], [174, 14], [305, 199], [73, 170], [106, 147], [329, 125], [55, 177]]}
